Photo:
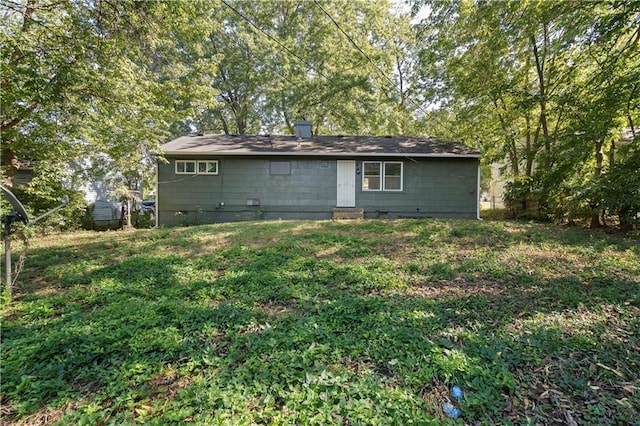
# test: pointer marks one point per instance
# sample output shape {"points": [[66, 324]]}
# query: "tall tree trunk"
{"points": [[540, 63], [241, 119], [225, 126], [599, 158], [612, 153], [529, 148], [400, 80], [9, 164], [513, 155], [509, 138], [632, 96], [285, 115], [595, 207]]}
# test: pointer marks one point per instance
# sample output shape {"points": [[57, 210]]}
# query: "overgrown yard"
{"points": [[367, 322]]}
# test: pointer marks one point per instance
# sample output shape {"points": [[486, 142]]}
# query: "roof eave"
{"points": [[322, 154]]}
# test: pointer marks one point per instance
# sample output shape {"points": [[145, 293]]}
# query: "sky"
{"points": [[402, 6]]}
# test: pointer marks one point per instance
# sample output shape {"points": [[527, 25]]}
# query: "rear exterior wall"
{"points": [[252, 188]]}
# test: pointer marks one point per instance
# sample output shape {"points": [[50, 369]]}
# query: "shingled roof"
{"points": [[341, 146]]}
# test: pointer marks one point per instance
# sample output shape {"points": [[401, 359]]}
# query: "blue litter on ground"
{"points": [[456, 393], [451, 410]]}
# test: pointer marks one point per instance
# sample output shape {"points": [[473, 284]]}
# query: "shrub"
{"points": [[36, 203], [619, 191]]}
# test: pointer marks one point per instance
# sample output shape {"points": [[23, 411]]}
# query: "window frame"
{"points": [[207, 162], [379, 175], [382, 176], [185, 162]]}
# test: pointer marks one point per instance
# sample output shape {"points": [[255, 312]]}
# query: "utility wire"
{"points": [[295, 55], [291, 52], [382, 73], [311, 97], [357, 47], [272, 38]]}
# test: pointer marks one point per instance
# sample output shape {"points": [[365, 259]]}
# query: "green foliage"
{"points": [[91, 89], [518, 195], [619, 191], [622, 193], [144, 220], [545, 94], [81, 85], [367, 322], [38, 200], [282, 62]]}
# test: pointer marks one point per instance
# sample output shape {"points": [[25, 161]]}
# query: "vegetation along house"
{"points": [[222, 178]]}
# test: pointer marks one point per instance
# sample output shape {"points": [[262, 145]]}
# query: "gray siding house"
{"points": [[224, 178]]}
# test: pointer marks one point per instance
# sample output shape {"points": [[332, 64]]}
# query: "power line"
{"points": [[309, 95], [415, 104], [291, 52], [357, 47], [270, 37], [310, 66]]}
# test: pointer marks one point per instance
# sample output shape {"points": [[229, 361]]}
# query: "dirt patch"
{"points": [[166, 385], [458, 287], [44, 416]]}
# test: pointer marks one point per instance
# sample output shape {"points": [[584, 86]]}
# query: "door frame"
{"points": [[346, 183]]}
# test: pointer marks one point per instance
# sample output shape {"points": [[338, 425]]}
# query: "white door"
{"points": [[346, 183]]}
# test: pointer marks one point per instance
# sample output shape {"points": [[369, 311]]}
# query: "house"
{"points": [[23, 172], [222, 178]]}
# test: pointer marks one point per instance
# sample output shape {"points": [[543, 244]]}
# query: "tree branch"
{"points": [[6, 125]]}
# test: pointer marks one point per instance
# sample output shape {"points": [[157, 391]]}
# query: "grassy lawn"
{"points": [[364, 322]]}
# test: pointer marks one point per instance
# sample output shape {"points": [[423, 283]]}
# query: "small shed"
{"points": [[106, 215]]}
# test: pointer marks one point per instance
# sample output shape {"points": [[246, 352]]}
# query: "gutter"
{"points": [[318, 154], [478, 195]]}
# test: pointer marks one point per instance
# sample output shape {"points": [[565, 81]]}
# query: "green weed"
{"points": [[367, 322]]}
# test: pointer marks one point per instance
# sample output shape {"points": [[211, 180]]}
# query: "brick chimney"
{"points": [[303, 129]]}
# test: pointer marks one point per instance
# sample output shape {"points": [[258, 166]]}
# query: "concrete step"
{"points": [[348, 213]]}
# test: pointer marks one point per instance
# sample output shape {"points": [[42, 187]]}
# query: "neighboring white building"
{"points": [[494, 198]]}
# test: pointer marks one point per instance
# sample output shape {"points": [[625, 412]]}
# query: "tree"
{"points": [[98, 77], [285, 61], [600, 99], [545, 86]]}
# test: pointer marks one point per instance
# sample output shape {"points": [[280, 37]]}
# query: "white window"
{"points": [[208, 167], [185, 167], [382, 176], [371, 176], [392, 176]]}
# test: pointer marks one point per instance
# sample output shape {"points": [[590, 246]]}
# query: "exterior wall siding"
{"points": [[444, 188], [431, 188]]}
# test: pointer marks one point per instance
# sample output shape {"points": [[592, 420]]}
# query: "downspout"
{"points": [[478, 194], [157, 185]]}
